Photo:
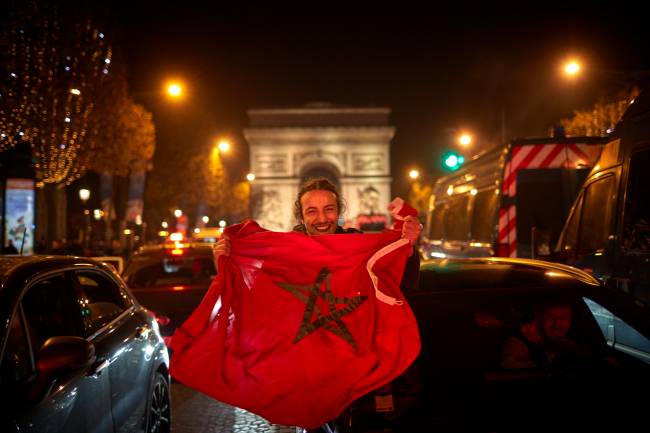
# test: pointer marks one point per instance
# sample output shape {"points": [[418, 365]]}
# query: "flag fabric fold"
{"points": [[294, 328]]}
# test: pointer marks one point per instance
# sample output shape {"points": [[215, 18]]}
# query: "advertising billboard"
{"points": [[19, 214]]}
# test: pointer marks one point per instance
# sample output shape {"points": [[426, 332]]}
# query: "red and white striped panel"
{"points": [[537, 156], [508, 229], [546, 156]]}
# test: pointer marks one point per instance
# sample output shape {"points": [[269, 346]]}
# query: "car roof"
{"points": [[482, 274], [18, 269], [11, 264]]}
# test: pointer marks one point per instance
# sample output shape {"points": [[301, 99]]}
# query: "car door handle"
{"points": [[97, 368], [142, 332]]}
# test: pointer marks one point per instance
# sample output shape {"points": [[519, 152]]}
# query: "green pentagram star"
{"points": [[332, 322]]}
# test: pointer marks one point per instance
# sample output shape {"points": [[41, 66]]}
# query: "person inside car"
{"points": [[541, 340]]}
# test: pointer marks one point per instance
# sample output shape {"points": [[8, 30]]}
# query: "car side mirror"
{"points": [[57, 356]]}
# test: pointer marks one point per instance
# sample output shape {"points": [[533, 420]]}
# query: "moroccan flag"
{"points": [[294, 328]]}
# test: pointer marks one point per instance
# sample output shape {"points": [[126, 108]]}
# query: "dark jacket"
{"points": [[411, 276]]}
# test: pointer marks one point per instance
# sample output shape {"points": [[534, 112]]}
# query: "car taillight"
{"points": [[178, 288], [177, 252]]}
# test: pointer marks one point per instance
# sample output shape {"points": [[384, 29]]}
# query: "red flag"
{"points": [[294, 328]]}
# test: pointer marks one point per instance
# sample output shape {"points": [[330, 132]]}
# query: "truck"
{"points": [[508, 201], [607, 232]]}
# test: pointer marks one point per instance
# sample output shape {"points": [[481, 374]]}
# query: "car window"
{"points": [[16, 359], [50, 310], [597, 215], [172, 271], [569, 238], [619, 334], [456, 221], [102, 300], [436, 229], [483, 216], [636, 232]]}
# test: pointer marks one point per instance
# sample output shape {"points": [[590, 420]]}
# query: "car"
{"points": [[171, 280], [78, 352], [207, 234], [466, 310]]}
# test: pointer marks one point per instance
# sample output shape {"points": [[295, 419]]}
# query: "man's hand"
{"points": [[411, 229], [220, 248]]}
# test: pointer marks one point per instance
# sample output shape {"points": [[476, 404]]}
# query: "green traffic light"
{"points": [[452, 161]]}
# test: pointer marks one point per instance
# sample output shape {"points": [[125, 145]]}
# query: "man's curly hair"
{"points": [[319, 183]]}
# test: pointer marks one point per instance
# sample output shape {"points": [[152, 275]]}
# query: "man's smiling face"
{"points": [[320, 212]]}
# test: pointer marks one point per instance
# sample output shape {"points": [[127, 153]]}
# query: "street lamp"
{"points": [[465, 139], [174, 90], [84, 195], [178, 213], [572, 68], [250, 177], [224, 146], [414, 174]]}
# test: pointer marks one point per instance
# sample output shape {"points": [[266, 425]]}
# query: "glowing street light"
{"points": [[178, 213], [222, 223], [175, 90], [164, 224], [224, 146], [84, 195], [250, 177], [414, 174], [572, 68], [465, 139], [205, 219]]}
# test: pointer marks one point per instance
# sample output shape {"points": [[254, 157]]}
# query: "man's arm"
{"points": [[411, 231]]}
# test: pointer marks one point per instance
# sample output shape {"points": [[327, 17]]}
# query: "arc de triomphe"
{"points": [[348, 145]]}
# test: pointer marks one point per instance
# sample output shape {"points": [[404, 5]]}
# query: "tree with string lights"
{"points": [[53, 66], [60, 96]]}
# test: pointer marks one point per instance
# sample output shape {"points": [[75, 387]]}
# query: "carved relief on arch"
{"points": [[369, 162], [267, 208]]}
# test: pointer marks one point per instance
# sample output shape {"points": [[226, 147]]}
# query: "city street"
{"points": [[193, 412]]}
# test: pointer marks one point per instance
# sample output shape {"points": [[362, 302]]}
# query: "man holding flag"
{"points": [[295, 328], [318, 207]]}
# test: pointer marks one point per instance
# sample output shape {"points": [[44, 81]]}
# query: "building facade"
{"points": [[348, 145]]}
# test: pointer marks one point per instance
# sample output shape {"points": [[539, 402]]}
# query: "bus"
{"points": [[509, 201]]}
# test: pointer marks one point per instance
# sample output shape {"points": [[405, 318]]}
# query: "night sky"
{"points": [[439, 71]]}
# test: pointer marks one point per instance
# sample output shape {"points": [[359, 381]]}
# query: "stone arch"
{"points": [[320, 169]]}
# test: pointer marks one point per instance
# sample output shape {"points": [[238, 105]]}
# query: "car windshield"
{"points": [[170, 271]]}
